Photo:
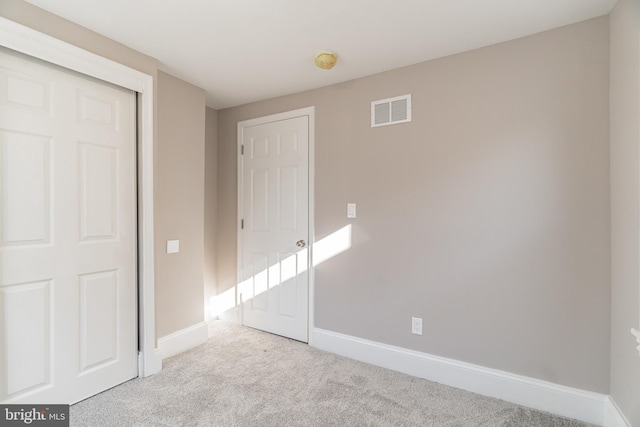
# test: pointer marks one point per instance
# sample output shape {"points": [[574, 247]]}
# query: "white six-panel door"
{"points": [[274, 277], [68, 326]]}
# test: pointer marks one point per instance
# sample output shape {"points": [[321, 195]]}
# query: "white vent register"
{"points": [[391, 111]]}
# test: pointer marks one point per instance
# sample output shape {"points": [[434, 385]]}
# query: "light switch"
{"points": [[173, 246], [351, 210]]}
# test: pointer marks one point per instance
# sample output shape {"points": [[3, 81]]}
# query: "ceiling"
{"points": [[242, 51]]}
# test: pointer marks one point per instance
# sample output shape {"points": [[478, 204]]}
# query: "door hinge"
{"points": [[242, 224], [242, 150]]}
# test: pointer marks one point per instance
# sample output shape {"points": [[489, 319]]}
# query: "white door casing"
{"points": [[38, 45], [68, 315], [274, 223]]}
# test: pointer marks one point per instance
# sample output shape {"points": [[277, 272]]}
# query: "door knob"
{"points": [[301, 243]]}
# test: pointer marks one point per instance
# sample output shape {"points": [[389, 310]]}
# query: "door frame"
{"points": [[310, 113], [42, 46]]}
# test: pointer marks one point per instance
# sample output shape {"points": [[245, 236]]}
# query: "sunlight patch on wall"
{"points": [[220, 303], [332, 245]]}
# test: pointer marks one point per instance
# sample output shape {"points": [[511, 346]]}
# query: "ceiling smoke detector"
{"points": [[326, 60]]}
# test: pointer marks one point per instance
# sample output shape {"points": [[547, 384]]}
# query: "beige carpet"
{"points": [[244, 377]]}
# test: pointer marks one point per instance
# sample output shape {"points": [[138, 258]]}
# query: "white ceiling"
{"points": [[241, 51]]}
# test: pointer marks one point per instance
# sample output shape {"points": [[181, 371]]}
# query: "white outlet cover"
{"points": [[416, 325]]}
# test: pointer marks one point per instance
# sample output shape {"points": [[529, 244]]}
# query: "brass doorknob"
{"points": [[301, 243]]}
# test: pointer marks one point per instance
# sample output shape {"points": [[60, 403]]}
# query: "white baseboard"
{"points": [[183, 340], [542, 395], [613, 416]]}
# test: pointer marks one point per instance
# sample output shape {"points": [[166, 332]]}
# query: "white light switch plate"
{"points": [[351, 210], [173, 246]]}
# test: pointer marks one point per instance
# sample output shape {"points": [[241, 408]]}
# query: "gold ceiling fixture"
{"points": [[326, 60]]}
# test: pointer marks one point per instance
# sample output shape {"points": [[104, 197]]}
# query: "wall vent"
{"points": [[391, 111]]}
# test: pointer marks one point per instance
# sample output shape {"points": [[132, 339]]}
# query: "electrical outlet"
{"points": [[416, 325]]}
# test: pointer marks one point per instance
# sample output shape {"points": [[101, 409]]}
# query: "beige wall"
{"points": [[210, 204], [179, 204], [31, 16], [625, 206], [487, 216], [179, 174]]}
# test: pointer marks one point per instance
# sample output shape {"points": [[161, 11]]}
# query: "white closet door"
{"points": [[68, 325]]}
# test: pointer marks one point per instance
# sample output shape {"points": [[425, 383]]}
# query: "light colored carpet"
{"points": [[244, 377]]}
